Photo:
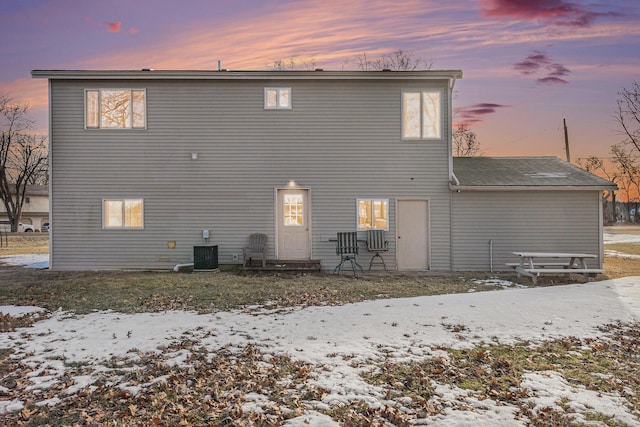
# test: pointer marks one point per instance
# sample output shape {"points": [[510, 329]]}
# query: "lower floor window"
{"points": [[122, 213], [373, 214]]}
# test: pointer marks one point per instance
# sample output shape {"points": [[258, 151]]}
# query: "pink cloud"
{"points": [[467, 116], [537, 62], [113, 27], [558, 70], [550, 80], [532, 63], [555, 12]]}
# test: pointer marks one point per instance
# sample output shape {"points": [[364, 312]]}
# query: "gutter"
{"points": [[455, 186]]}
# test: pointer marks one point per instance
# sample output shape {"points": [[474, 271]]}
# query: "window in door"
{"points": [[293, 208]]}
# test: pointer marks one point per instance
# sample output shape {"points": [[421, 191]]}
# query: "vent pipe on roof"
{"points": [[566, 140]]}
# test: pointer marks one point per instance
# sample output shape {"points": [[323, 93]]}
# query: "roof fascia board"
{"points": [[248, 75], [531, 187]]}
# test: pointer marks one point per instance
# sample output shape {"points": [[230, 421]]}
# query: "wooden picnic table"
{"points": [[532, 264]]}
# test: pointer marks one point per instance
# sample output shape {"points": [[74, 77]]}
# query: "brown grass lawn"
{"points": [[152, 291], [24, 243]]}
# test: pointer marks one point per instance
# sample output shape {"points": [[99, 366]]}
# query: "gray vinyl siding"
{"points": [[539, 221], [341, 139]]}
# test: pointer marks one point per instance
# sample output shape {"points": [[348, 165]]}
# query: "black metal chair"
{"points": [[347, 248], [377, 243], [255, 249]]}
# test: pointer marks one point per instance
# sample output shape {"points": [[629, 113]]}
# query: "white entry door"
{"points": [[412, 235], [294, 230]]}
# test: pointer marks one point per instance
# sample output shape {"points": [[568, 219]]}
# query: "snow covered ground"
{"points": [[610, 238], [28, 260], [411, 329]]}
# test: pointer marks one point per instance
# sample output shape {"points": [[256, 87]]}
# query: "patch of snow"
{"points": [[617, 254], [10, 406], [28, 260], [610, 238], [311, 418], [49, 402], [43, 265], [550, 387], [497, 282], [19, 310]]}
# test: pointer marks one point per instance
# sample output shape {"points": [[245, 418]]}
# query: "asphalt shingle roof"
{"points": [[523, 172]]}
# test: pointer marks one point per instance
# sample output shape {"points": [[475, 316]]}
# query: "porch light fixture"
{"points": [[292, 184], [194, 156]]}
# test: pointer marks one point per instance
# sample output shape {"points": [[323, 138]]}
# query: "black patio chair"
{"points": [[347, 248], [377, 243]]}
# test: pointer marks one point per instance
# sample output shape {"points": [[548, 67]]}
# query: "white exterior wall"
{"points": [[341, 139], [532, 221]]}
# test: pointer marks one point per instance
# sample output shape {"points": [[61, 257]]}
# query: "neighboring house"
{"points": [[35, 210], [143, 162]]}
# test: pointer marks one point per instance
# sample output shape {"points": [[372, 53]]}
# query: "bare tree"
{"points": [[626, 153], [628, 115], [628, 174], [598, 166], [291, 64], [282, 64], [465, 142], [398, 60], [23, 157]]}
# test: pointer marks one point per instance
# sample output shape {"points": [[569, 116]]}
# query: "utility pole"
{"points": [[566, 140]]}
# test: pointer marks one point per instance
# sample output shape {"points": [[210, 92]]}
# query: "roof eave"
{"points": [[247, 75]]}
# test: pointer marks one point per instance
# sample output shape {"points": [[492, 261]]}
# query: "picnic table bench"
{"points": [[532, 264]]}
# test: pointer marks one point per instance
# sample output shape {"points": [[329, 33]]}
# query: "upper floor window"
{"points": [[122, 213], [422, 114], [115, 109], [373, 214], [277, 98]]}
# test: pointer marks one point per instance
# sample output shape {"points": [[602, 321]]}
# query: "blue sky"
{"points": [[527, 64]]}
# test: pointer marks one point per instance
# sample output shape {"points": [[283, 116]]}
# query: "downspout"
{"points": [[456, 182], [452, 83], [491, 256], [50, 176], [600, 229]]}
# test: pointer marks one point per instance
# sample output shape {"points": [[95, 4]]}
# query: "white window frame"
{"points": [[124, 225], [277, 91], [129, 126], [372, 213], [440, 113]]}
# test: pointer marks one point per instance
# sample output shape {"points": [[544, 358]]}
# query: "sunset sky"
{"points": [[527, 64]]}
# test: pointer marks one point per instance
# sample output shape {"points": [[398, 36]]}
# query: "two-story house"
{"points": [[142, 163]]}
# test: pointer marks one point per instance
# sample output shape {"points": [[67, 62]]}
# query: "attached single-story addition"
{"points": [[506, 204], [145, 165]]}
